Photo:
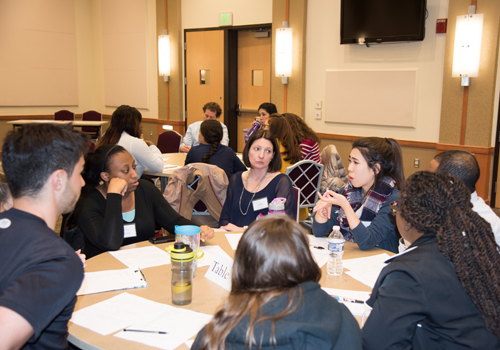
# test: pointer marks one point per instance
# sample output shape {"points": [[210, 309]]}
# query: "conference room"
{"points": [[98, 55]]}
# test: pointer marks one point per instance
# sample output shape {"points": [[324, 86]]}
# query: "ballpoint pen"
{"points": [[350, 300], [144, 331]]}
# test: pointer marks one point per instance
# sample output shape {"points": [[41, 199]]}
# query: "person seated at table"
{"points": [[304, 136], [361, 207], [126, 131], [211, 111], [250, 192], [265, 110], [289, 149], [275, 300], [116, 208], [444, 291], [211, 151]]}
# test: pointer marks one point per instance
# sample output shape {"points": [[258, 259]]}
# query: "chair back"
{"points": [[64, 115], [169, 141], [306, 176], [93, 116], [296, 193]]}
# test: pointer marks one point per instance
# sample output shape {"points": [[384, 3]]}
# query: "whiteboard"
{"points": [[374, 97]]}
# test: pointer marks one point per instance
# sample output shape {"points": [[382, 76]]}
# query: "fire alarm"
{"points": [[441, 25]]}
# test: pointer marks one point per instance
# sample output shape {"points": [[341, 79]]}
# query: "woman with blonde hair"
{"points": [[276, 301]]}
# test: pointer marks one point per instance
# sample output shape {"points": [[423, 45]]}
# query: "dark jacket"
{"points": [[419, 303], [319, 322]]}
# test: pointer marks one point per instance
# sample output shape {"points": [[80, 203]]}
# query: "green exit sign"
{"points": [[226, 19]]}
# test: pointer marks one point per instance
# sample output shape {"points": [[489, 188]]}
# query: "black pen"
{"points": [[317, 247], [143, 331]]}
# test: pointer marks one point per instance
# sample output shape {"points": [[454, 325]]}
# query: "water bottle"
{"points": [[256, 126], [334, 266], [277, 206]]}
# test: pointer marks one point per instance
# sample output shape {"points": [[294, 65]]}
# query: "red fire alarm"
{"points": [[441, 25]]}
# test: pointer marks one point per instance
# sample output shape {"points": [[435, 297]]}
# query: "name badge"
{"points": [[129, 231], [259, 204]]}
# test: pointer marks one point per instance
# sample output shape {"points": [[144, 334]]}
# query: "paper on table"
{"points": [[320, 256], [366, 270], [318, 241], [355, 308], [209, 253], [171, 166], [142, 257], [233, 239], [115, 313], [219, 230], [104, 281], [189, 343], [180, 325]]}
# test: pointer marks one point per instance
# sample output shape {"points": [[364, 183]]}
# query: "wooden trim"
{"points": [[155, 121], [16, 117], [441, 147], [352, 138]]}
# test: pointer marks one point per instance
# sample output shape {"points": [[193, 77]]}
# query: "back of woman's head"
{"points": [[268, 107], [300, 129], [384, 152], [275, 164], [212, 132], [273, 254], [279, 127], [124, 118], [440, 203], [98, 161]]}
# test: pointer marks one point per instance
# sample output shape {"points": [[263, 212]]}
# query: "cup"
{"points": [[190, 235]]}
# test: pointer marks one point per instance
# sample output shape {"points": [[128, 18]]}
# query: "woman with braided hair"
{"points": [[211, 151], [443, 292]]}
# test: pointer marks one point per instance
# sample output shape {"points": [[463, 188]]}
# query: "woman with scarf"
{"points": [[361, 207]]}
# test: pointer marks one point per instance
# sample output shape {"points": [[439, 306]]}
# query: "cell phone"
{"points": [[163, 239]]}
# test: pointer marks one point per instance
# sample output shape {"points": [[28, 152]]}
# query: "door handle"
{"points": [[240, 110]]}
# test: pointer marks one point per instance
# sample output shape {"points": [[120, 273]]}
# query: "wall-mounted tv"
{"points": [[379, 21]]}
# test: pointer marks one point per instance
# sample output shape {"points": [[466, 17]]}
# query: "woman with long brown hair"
{"points": [[304, 136], [276, 301], [289, 148], [443, 292]]}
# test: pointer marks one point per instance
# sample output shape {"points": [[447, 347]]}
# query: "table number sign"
{"points": [[220, 271]]}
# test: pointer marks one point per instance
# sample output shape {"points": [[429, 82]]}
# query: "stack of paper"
{"points": [[105, 281], [366, 270]]}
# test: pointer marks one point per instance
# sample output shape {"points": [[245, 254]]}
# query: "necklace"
{"points": [[254, 191]]}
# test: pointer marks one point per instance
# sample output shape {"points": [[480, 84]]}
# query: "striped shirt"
{"points": [[310, 150]]}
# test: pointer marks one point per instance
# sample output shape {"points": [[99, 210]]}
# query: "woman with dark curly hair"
{"points": [[443, 292]]}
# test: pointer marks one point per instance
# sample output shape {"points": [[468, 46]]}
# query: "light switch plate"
{"points": [[317, 105], [317, 115]]}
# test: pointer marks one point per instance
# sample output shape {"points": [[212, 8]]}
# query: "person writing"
{"points": [[116, 208], [211, 151], [443, 292], [250, 192], [362, 205], [275, 300], [126, 131]]}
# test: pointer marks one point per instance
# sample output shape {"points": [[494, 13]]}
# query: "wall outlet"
{"points": [[151, 134], [317, 105], [416, 163], [317, 115]]}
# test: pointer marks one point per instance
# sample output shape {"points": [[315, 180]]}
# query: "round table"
{"points": [[207, 296]]}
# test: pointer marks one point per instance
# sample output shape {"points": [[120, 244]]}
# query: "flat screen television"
{"points": [[379, 21]]}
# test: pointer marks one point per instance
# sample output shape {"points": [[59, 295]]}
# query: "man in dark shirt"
{"points": [[40, 273]]}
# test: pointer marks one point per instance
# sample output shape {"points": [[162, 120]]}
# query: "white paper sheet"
{"points": [[366, 270], [171, 166], [104, 281], [115, 313], [142, 257], [233, 239], [318, 241], [219, 271], [355, 308], [210, 252], [180, 325]]}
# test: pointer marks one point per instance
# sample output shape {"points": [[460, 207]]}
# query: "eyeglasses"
{"points": [[394, 208]]}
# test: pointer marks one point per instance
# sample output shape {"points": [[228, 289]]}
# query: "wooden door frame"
{"points": [[230, 76], [496, 155]]}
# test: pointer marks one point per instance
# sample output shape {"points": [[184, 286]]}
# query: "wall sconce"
{"points": [[467, 50], [283, 64], [164, 55]]}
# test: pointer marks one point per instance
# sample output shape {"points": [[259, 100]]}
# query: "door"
{"points": [[204, 72], [254, 78]]}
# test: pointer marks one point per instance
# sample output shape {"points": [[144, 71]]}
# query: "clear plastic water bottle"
{"points": [[334, 266]]}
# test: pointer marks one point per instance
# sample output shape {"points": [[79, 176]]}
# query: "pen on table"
{"points": [[317, 247], [143, 331], [339, 298]]}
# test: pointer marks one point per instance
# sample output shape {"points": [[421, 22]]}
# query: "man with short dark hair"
{"points": [[463, 165], [211, 110], [40, 273]]}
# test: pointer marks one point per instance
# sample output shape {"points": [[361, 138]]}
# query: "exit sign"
{"points": [[226, 19]]}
